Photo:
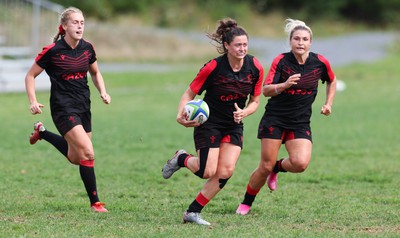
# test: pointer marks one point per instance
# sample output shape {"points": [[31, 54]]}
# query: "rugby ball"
{"points": [[197, 110]]}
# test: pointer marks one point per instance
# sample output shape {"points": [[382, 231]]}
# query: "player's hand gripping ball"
{"points": [[197, 110]]}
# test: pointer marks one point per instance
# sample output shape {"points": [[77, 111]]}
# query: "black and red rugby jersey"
{"points": [[67, 69], [292, 108], [224, 87]]}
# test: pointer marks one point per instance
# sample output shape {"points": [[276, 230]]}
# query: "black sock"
{"points": [[56, 140], [181, 160], [250, 195], [86, 170], [278, 167], [195, 207], [248, 199]]}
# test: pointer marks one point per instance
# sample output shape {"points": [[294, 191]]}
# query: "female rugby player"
{"points": [[67, 62], [291, 84], [228, 81]]}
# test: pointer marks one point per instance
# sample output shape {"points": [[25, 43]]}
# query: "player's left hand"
{"points": [[106, 98], [238, 115], [36, 108], [326, 110]]}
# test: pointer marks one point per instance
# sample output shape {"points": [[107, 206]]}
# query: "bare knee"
{"points": [[226, 172], [75, 156], [208, 173], [88, 154], [299, 166], [74, 161], [265, 167]]}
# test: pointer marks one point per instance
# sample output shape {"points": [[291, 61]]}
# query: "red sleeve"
{"points": [[41, 58], [258, 86], [205, 71], [272, 71], [329, 70]]}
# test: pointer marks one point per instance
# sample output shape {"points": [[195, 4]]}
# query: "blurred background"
{"points": [[140, 34]]}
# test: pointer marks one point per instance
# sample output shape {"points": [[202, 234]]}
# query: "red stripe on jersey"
{"points": [[271, 73], [203, 74], [328, 67], [258, 86], [45, 49]]}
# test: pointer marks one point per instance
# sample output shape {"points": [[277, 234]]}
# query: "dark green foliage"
{"points": [[373, 12]]}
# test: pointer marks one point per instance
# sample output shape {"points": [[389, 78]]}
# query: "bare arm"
{"points": [[34, 71], [330, 95], [270, 90], [98, 81]]}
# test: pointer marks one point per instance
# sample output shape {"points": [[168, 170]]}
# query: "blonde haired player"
{"points": [[67, 62], [291, 84]]}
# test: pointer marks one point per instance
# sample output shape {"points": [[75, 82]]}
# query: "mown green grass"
{"points": [[349, 190]]}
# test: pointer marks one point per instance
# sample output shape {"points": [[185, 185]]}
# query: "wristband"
{"points": [[276, 89]]}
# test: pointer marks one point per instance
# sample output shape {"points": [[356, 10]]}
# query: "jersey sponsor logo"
{"points": [[230, 97], [298, 91], [74, 76]]}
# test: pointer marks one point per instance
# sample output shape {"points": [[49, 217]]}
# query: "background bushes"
{"points": [[182, 13]]}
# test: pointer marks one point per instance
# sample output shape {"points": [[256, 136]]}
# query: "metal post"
{"points": [[35, 24]]}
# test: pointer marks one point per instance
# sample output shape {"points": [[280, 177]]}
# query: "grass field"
{"points": [[349, 190]]}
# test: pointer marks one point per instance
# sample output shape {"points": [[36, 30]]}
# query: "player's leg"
{"points": [[204, 165], [300, 151], [228, 156], [269, 153], [81, 153], [212, 162], [40, 132], [299, 146]]}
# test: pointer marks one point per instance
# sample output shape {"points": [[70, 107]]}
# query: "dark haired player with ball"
{"points": [[228, 81]]}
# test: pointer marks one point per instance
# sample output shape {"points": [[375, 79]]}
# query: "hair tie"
{"points": [[61, 30]]}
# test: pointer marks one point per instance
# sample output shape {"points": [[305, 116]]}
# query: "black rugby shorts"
{"points": [[269, 131], [65, 122], [211, 136]]}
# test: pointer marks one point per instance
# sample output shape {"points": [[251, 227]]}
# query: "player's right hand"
{"points": [[292, 80], [182, 119]]}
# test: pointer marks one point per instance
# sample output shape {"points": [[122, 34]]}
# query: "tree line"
{"points": [[373, 12]]}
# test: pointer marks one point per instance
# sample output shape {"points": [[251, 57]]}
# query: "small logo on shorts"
{"points": [[72, 119], [212, 138], [271, 130]]}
